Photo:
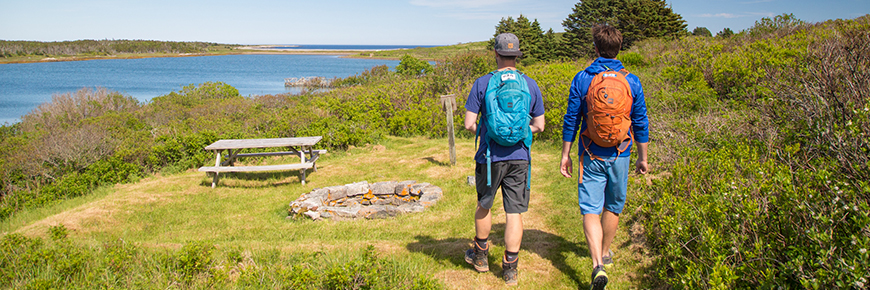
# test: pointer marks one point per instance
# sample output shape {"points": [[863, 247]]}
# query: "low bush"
{"points": [[734, 218]]}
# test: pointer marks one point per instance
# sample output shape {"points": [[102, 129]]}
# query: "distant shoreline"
{"points": [[243, 50]]}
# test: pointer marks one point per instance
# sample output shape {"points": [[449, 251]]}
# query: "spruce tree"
{"points": [[636, 19]]}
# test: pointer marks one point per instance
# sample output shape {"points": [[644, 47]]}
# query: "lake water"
{"points": [[347, 47], [24, 86]]}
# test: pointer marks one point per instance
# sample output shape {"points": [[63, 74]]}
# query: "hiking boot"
{"points": [[478, 257], [599, 278], [607, 261], [510, 271]]}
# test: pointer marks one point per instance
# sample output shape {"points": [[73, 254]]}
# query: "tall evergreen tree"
{"points": [[578, 34], [702, 31], [725, 33], [533, 42], [636, 19]]}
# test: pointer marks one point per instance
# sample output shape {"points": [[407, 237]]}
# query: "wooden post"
{"points": [[448, 103]]}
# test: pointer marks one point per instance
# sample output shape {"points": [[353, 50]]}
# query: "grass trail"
{"points": [[249, 212]]}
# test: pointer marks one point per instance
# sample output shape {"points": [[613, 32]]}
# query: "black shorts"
{"points": [[512, 176]]}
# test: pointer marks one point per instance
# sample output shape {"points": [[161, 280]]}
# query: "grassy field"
{"points": [[426, 53], [248, 213]]}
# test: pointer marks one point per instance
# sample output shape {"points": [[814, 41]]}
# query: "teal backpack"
{"points": [[507, 102]]}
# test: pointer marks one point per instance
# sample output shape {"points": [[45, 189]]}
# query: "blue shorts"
{"points": [[604, 185]]}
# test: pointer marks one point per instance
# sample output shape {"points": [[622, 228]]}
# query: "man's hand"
{"points": [[641, 167], [566, 166]]}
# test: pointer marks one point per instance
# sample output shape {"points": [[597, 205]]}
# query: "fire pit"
{"points": [[364, 200]]}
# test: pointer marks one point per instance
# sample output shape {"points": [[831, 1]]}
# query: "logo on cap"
{"points": [[510, 45]]}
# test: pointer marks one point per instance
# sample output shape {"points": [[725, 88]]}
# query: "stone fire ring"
{"points": [[364, 200]]}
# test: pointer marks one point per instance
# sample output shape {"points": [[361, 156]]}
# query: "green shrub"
{"points": [[412, 66], [730, 218], [631, 59]]}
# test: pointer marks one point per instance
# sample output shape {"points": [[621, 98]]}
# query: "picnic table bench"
{"points": [[299, 146]]}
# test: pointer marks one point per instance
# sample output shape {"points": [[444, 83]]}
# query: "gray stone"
{"points": [[363, 200], [395, 200], [382, 201], [433, 190], [384, 188], [416, 188], [319, 192], [313, 215], [336, 192], [309, 204], [352, 201], [411, 208], [358, 188], [431, 197], [383, 211], [401, 186], [346, 212]]}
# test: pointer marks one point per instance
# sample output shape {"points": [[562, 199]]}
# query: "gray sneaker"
{"points": [[607, 260], [478, 257]]}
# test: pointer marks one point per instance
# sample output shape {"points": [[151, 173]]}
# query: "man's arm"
{"points": [[641, 166], [471, 121], [565, 166], [537, 124]]}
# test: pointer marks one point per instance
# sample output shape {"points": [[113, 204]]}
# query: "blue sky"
{"points": [[391, 22]]}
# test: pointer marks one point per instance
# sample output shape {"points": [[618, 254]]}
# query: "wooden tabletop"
{"points": [[263, 143]]}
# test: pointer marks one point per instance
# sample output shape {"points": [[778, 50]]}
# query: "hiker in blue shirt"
{"points": [[509, 166], [603, 170]]}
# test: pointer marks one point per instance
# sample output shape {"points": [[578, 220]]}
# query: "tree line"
{"points": [[636, 19], [10, 48]]}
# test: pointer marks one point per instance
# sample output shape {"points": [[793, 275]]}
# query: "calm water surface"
{"points": [[24, 86]]}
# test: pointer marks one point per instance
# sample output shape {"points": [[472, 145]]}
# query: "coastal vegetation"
{"points": [[759, 143], [22, 51]]}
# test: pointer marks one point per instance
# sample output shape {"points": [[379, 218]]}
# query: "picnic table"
{"points": [[299, 146]]}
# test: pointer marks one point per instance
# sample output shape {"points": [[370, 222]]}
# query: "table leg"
{"points": [[302, 156], [217, 163]]}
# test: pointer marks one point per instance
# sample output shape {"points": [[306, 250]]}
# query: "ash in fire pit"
{"points": [[364, 200]]}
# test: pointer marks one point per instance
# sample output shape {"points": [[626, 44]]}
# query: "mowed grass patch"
{"points": [[248, 214]]}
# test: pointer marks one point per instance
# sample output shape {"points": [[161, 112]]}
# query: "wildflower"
{"points": [[836, 199], [836, 187], [862, 250], [855, 208], [734, 249], [859, 285], [866, 109], [849, 123], [854, 242]]}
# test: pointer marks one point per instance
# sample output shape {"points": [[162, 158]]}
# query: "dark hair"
{"points": [[607, 39]]}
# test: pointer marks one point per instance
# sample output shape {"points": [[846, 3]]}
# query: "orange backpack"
{"points": [[608, 118]]}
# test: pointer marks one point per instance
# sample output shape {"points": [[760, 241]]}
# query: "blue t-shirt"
{"points": [[474, 104]]}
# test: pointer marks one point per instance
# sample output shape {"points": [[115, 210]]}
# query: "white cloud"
{"points": [[732, 15], [462, 4], [720, 15]]}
